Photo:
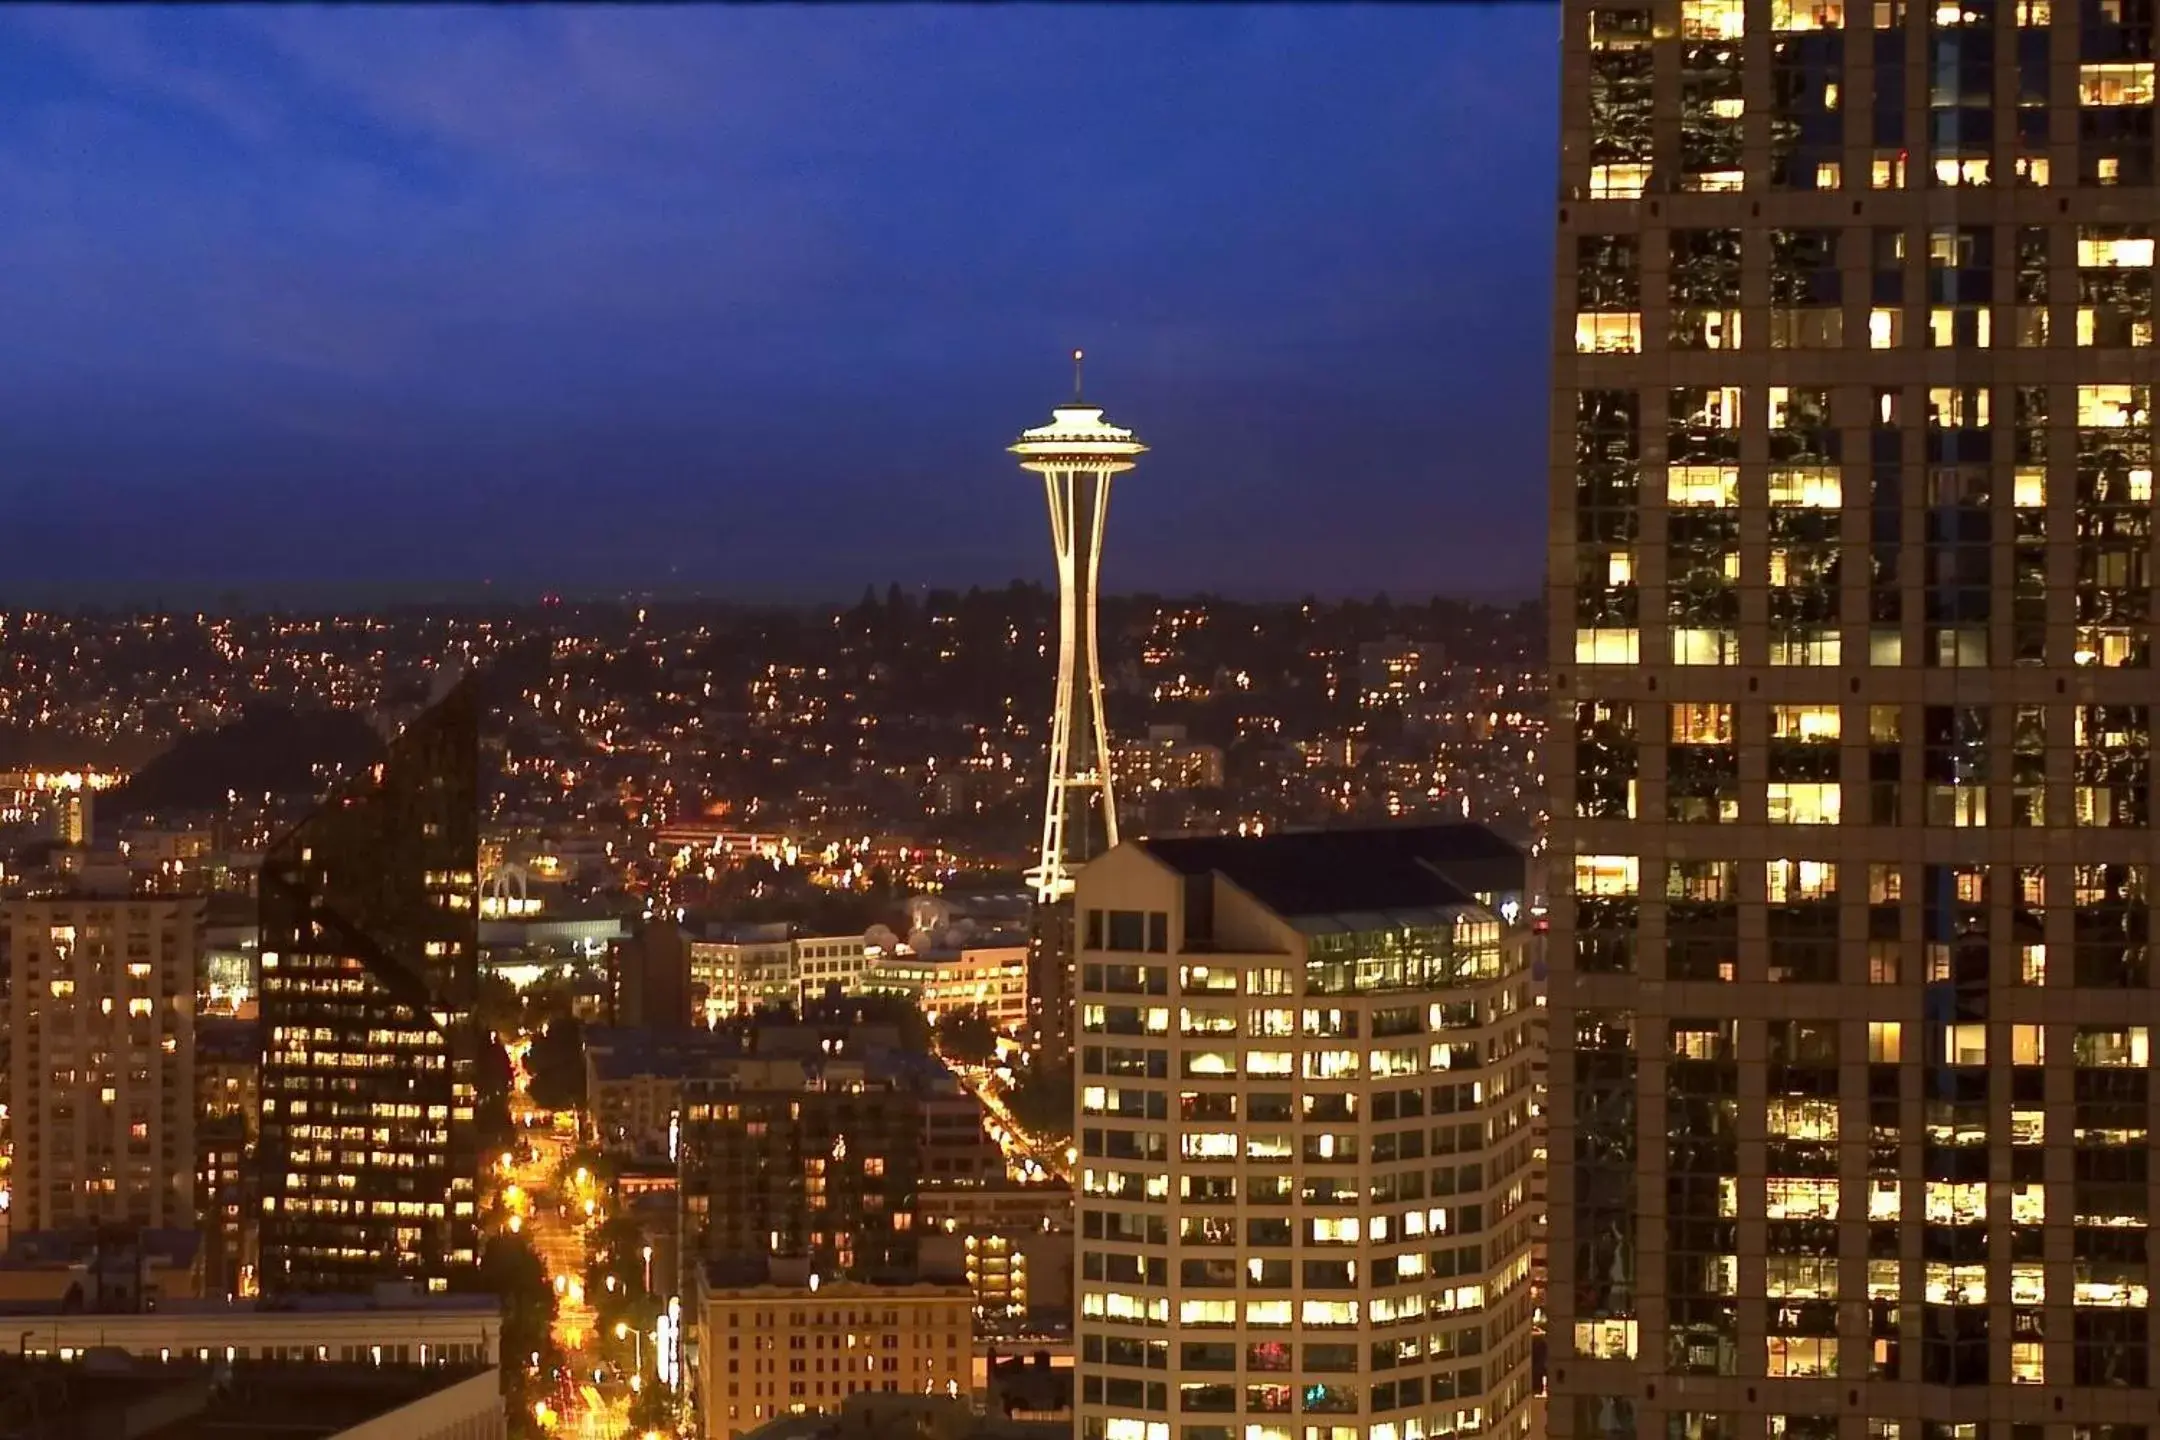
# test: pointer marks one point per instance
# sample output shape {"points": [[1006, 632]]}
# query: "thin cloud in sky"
{"points": [[435, 256]]}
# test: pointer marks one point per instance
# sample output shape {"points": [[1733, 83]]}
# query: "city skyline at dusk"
{"points": [[605, 300], [572, 864]]}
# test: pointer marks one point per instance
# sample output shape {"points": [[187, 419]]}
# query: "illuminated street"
{"points": [[557, 1220], [1025, 1157]]}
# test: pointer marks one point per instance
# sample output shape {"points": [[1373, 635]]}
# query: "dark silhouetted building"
{"points": [[652, 977], [228, 1097], [106, 1395], [1050, 984], [369, 973], [815, 1154]]}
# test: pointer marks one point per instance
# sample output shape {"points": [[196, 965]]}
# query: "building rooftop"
{"points": [[384, 1298], [626, 1053], [1335, 872], [224, 1039], [742, 932], [782, 1277], [933, 1417], [107, 1394], [54, 1249], [623, 1052]]}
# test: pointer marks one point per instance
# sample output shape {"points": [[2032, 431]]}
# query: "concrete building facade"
{"points": [[392, 1329], [102, 1057], [994, 977], [767, 1350]]}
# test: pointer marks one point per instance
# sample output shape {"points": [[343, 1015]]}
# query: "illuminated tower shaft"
{"points": [[1077, 453], [1081, 819]]}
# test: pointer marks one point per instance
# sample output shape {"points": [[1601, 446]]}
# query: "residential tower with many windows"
{"points": [[1305, 1138]]}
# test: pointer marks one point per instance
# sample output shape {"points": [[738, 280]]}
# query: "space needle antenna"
{"points": [[1078, 356]]}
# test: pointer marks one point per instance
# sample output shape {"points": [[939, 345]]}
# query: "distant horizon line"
{"points": [[226, 598]]}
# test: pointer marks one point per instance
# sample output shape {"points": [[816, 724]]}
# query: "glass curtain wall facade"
{"points": [[1850, 583], [369, 914]]}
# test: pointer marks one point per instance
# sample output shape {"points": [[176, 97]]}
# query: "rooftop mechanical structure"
{"points": [[1076, 454]]}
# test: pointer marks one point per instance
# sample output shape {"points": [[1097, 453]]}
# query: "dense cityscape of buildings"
{"points": [[1009, 1014], [688, 953], [915, 718]]}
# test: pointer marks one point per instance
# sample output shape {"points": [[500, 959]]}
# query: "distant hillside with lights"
{"points": [[272, 749]]}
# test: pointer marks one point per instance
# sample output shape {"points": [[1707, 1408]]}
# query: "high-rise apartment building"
{"points": [[1304, 1125], [368, 1158], [1851, 566], [101, 1029], [810, 1156]]}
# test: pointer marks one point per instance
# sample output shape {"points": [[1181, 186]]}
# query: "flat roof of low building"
{"points": [[629, 1053], [227, 1039], [107, 1394], [390, 1301], [625, 1052], [766, 1277], [1375, 869], [59, 1249]]}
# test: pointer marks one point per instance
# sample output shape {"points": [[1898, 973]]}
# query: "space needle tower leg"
{"points": [[1080, 819], [1076, 454]]}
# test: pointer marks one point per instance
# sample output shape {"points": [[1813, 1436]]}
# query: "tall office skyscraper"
{"points": [[1305, 1135], [1076, 455], [102, 1060], [1851, 562], [369, 973]]}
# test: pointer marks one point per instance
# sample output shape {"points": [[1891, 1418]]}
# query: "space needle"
{"points": [[1076, 454]]}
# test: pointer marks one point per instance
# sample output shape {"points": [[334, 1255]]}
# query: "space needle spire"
{"points": [[1076, 454]]}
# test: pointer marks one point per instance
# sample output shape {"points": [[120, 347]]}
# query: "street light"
{"points": [[647, 1253]]}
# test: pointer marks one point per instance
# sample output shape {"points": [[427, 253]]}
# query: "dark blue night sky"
{"points": [[750, 300]]}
